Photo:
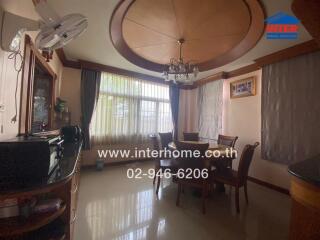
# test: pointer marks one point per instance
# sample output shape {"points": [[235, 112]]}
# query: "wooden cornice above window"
{"points": [[217, 76], [297, 50], [240, 71], [65, 61], [115, 70], [96, 66]]}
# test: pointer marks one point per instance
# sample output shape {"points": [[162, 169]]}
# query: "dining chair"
{"points": [[155, 145], [155, 141], [191, 136], [229, 141], [165, 139], [238, 178], [193, 163], [162, 164]]}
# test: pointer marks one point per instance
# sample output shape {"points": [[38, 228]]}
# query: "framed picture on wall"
{"points": [[243, 88]]}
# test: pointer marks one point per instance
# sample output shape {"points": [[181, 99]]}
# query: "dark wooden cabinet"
{"points": [[69, 192], [75, 184], [305, 212], [65, 186], [37, 91]]}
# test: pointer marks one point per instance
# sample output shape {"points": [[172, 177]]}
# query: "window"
{"points": [[129, 109]]}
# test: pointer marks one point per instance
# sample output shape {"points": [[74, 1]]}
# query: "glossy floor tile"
{"points": [[113, 207]]}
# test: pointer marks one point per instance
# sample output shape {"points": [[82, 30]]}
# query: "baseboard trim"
{"points": [[269, 185]]}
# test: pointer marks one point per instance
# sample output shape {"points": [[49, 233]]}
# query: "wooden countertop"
{"points": [[308, 170]]}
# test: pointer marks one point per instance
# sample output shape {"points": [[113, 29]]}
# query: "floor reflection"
{"points": [[113, 207], [125, 216]]}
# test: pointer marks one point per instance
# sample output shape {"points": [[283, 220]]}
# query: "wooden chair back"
{"points": [[245, 161], [191, 136], [227, 140], [165, 139], [155, 141], [186, 160]]}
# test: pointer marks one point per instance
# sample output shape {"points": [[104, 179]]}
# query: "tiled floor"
{"points": [[113, 207]]}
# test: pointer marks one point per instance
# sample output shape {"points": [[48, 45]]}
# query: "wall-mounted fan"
{"points": [[55, 31]]}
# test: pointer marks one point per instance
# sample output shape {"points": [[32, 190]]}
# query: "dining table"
{"points": [[222, 149], [217, 162]]}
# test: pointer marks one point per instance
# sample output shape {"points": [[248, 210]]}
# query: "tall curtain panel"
{"points": [[90, 85], [291, 109], [210, 101], [174, 93], [128, 110]]}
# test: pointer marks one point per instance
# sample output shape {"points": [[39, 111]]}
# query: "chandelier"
{"points": [[179, 71]]}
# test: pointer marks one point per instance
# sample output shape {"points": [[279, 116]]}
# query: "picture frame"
{"points": [[243, 88]]}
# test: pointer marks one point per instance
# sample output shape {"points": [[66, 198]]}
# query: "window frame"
{"points": [[139, 99]]}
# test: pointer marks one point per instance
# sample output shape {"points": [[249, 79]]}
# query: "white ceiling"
{"points": [[95, 44]]}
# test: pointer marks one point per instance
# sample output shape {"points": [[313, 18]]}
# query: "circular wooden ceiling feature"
{"points": [[216, 32]]}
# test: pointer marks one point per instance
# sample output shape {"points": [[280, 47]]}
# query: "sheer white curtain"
{"points": [[129, 109], [210, 100]]}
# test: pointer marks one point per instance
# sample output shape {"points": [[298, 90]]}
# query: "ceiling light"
{"points": [[179, 71]]}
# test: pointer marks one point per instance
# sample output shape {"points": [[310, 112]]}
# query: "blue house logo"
{"points": [[282, 26]]}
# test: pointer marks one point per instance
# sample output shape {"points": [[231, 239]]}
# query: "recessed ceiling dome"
{"points": [[215, 31]]}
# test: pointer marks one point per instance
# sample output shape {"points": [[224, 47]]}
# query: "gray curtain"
{"points": [[291, 109], [174, 93], [90, 85], [210, 101]]}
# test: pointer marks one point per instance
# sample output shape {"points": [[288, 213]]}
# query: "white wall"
{"points": [[8, 74], [242, 117], [8, 77], [70, 91], [7, 91]]}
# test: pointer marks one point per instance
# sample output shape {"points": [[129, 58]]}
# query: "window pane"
{"points": [[111, 116], [164, 118], [132, 87], [148, 117]]}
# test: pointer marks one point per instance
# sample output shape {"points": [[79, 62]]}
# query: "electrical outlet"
{"points": [[2, 107]]}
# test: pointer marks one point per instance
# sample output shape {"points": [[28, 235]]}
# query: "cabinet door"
{"points": [[75, 184], [42, 99]]}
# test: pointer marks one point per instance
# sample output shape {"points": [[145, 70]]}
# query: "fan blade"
{"points": [[70, 27], [48, 15]]}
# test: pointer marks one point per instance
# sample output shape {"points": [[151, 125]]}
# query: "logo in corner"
{"points": [[282, 26]]}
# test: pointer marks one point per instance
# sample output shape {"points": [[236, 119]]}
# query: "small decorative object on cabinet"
{"points": [[243, 88], [62, 116]]}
